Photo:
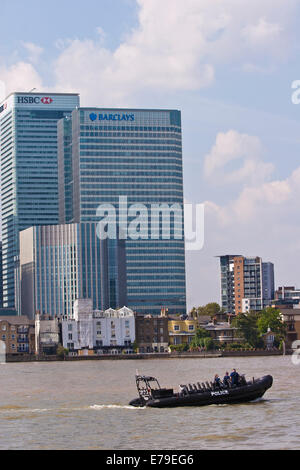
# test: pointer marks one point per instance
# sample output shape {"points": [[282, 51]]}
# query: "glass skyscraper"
{"points": [[105, 154], [62, 263], [29, 172]]}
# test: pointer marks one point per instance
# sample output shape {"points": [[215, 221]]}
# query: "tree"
{"points": [[61, 351], [247, 325], [202, 339], [210, 309], [270, 318]]}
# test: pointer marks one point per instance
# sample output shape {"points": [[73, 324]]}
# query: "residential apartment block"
{"points": [[247, 284], [17, 334]]}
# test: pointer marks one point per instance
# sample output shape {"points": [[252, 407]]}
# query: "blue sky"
{"points": [[228, 66]]}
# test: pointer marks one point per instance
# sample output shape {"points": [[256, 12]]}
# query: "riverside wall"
{"points": [[173, 355]]}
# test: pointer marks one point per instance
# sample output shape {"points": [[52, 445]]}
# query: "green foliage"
{"points": [[179, 347], [202, 339], [270, 318], [247, 325], [61, 351], [254, 324], [210, 309]]}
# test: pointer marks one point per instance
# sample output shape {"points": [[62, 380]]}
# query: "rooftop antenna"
{"points": [[32, 90]]}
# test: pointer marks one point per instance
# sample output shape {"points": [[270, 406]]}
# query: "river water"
{"points": [[84, 405]]}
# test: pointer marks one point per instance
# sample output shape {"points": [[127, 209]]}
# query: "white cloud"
{"points": [[234, 147], [34, 51], [176, 46], [19, 77], [261, 221], [261, 32]]}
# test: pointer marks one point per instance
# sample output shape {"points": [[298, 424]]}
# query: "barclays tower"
{"points": [[108, 155]]}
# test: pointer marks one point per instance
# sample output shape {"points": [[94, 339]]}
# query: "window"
{"points": [[70, 336], [3, 327], [70, 327], [3, 337], [191, 327], [176, 327]]}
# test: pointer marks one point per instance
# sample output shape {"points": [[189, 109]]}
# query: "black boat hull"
{"points": [[242, 394]]}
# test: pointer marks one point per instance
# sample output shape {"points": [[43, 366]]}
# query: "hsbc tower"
{"points": [[29, 171]]}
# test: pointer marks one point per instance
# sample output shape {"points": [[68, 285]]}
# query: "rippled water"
{"points": [[84, 405]]}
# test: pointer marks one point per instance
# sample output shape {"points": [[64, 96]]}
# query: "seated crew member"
{"points": [[226, 379], [217, 381]]}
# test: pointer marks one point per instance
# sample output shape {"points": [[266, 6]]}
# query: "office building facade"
{"points": [[287, 296], [62, 263], [29, 173], [247, 284], [105, 154]]}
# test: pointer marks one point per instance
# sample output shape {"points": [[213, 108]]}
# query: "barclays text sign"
{"points": [[112, 117]]}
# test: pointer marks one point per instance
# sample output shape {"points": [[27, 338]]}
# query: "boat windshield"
{"points": [[145, 385]]}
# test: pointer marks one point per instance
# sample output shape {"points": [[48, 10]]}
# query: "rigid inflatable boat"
{"points": [[200, 394]]}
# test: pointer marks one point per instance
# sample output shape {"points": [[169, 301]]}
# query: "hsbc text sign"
{"points": [[34, 100]]}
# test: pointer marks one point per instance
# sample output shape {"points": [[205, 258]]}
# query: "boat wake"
{"points": [[116, 407]]}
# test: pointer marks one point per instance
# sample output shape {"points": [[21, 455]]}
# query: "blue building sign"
{"points": [[112, 117]]}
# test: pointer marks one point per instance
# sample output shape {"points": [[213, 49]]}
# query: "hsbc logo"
{"points": [[47, 100], [34, 100]]}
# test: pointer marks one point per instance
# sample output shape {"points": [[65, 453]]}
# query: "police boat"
{"points": [[200, 394]]}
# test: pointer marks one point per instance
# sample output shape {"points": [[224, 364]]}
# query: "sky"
{"points": [[228, 66]]}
